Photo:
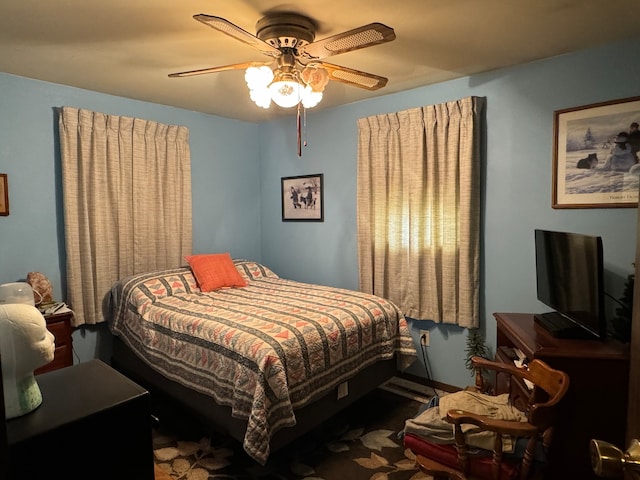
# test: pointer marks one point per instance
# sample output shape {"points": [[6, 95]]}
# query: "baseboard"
{"points": [[408, 389], [429, 383]]}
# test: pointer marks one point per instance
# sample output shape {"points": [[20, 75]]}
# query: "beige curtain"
{"points": [[418, 210], [127, 202]]}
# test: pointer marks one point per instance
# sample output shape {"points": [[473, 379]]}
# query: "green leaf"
{"points": [[405, 464], [198, 474], [186, 449], [373, 462], [165, 454], [379, 476], [378, 439]]}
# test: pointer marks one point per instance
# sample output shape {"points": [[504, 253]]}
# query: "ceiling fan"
{"points": [[295, 72]]}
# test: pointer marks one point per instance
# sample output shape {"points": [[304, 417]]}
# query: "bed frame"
{"points": [[217, 418]]}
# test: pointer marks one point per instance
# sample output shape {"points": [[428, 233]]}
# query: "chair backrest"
{"points": [[547, 386], [550, 386], [538, 399]]}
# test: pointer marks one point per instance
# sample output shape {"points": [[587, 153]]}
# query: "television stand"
{"points": [[595, 405], [560, 326]]}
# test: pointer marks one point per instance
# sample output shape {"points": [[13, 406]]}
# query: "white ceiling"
{"points": [[128, 47]]}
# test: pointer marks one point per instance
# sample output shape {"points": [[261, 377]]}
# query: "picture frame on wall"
{"points": [[303, 198], [595, 157], [4, 195]]}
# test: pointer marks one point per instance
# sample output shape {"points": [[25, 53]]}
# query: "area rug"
{"points": [[360, 443]]}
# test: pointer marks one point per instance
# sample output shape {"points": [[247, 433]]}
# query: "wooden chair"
{"points": [[539, 405]]}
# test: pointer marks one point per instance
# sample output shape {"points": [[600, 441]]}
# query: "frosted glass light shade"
{"points": [[258, 77], [261, 96], [310, 98], [286, 93]]}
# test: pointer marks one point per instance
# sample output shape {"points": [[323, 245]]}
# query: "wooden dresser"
{"points": [[60, 325], [595, 405]]}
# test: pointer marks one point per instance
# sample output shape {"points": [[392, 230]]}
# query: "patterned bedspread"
{"points": [[264, 349]]}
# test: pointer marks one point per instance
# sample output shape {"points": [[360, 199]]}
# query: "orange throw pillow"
{"points": [[214, 271]]}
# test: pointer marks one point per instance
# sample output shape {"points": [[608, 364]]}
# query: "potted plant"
{"points": [[476, 347], [621, 324]]}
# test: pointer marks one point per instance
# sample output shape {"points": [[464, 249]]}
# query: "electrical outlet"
{"points": [[424, 337]]}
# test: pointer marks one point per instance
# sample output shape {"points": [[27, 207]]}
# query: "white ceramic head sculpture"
{"points": [[25, 344]]}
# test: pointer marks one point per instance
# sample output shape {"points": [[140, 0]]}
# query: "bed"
{"points": [[264, 362]]}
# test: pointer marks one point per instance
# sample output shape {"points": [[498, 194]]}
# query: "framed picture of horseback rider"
{"points": [[596, 153], [303, 198]]}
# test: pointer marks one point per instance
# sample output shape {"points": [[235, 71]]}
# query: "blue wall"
{"points": [[225, 178], [520, 103], [236, 184]]}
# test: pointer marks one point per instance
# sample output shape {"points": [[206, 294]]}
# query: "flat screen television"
{"points": [[569, 277]]}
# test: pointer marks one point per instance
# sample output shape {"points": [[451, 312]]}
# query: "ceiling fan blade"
{"points": [[365, 36], [353, 77], [235, 66], [238, 33]]}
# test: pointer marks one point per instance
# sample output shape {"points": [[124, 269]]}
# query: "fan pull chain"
{"points": [[305, 126], [299, 132]]}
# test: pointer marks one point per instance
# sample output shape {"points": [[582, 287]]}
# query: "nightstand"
{"points": [[60, 325]]}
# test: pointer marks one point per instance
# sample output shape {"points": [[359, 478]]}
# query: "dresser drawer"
{"points": [[60, 326], [61, 331]]}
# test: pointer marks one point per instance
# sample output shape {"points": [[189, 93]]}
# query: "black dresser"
{"points": [[93, 423]]}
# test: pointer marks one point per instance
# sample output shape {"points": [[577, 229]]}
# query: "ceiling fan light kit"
{"points": [[296, 75], [287, 86]]}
